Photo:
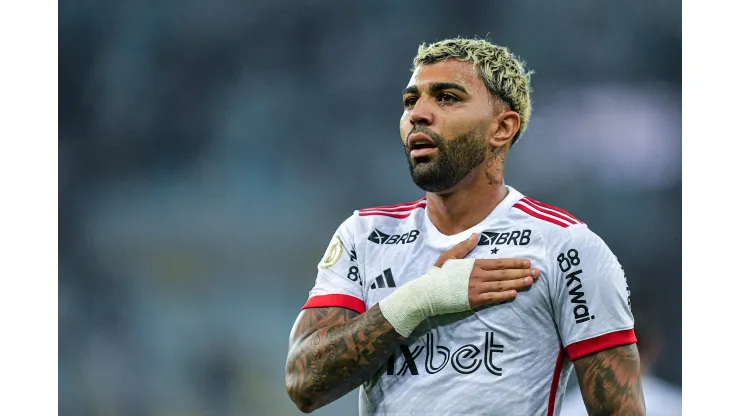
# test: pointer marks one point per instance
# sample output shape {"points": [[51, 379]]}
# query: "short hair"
{"points": [[503, 74]]}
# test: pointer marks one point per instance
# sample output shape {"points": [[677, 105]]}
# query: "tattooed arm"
{"points": [[610, 382], [333, 351]]}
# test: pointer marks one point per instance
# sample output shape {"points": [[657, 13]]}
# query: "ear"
{"points": [[503, 128]]}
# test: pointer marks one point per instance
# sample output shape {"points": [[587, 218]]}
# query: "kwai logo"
{"points": [[566, 262]]}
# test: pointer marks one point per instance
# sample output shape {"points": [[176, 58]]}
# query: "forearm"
{"points": [[336, 359], [610, 382]]}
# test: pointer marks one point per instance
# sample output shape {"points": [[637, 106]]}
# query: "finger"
{"points": [[464, 247], [505, 285], [460, 250], [491, 298], [501, 264], [507, 274]]}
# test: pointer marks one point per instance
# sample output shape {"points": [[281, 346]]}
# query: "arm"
{"points": [[610, 382], [592, 301], [333, 351]]}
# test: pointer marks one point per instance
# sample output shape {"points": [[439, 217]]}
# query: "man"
{"points": [[414, 303]]}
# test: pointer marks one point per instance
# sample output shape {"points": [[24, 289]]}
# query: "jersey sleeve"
{"points": [[338, 281], [591, 296]]}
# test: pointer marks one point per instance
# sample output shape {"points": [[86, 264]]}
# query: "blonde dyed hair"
{"points": [[504, 75]]}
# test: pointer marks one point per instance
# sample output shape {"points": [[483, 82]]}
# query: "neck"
{"points": [[466, 205]]}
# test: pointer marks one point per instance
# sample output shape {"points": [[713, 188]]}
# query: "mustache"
{"points": [[436, 138]]}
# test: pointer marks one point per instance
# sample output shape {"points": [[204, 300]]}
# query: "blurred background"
{"points": [[208, 149]]}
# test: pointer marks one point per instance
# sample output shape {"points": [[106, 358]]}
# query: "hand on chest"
{"points": [[393, 260]]}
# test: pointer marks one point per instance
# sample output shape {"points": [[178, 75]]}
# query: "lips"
{"points": [[421, 145], [423, 152]]}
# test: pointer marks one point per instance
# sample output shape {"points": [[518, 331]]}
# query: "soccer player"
{"points": [[428, 307]]}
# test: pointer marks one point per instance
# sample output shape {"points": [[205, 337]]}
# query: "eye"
{"points": [[409, 101], [446, 97]]}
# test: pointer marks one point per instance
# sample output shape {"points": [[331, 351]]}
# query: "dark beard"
{"points": [[454, 160]]}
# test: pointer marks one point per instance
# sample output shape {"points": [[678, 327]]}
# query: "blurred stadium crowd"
{"points": [[209, 149]]}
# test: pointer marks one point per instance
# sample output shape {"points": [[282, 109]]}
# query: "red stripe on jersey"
{"points": [[385, 214], [554, 208], [399, 209], [538, 214], [555, 382], [600, 343], [400, 212], [384, 207], [336, 300], [551, 212]]}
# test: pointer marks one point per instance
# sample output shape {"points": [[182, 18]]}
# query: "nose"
{"points": [[422, 112]]}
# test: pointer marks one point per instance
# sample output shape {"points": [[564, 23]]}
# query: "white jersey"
{"points": [[508, 359]]}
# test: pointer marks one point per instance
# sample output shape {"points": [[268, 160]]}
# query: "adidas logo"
{"points": [[384, 280]]}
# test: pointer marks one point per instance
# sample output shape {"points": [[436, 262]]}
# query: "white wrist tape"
{"points": [[441, 291]]}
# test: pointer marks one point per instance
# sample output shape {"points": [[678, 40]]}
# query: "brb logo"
{"points": [[466, 359], [519, 238], [379, 237]]}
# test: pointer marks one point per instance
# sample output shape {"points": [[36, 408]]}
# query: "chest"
{"points": [[387, 267], [405, 257]]}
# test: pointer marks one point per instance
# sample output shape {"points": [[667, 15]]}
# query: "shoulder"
{"points": [[559, 225], [547, 215], [387, 218], [398, 211]]}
